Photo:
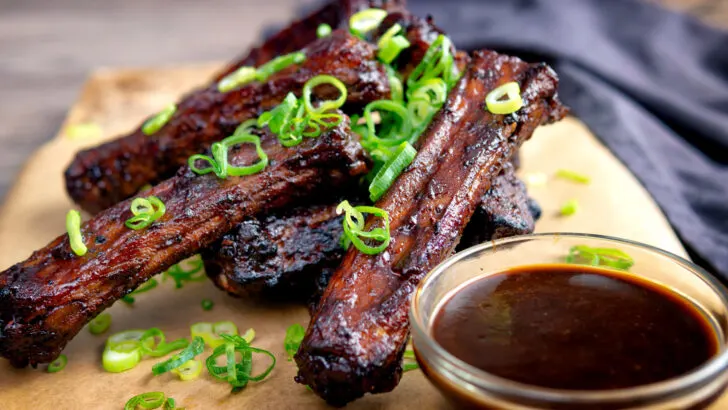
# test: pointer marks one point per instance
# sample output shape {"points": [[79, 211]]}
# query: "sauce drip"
{"points": [[574, 327]]}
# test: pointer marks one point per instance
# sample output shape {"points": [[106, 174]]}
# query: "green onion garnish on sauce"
{"points": [[505, 99], [75, 238], [355, 233], [145, 211], [323, 30], [614, 258], [156, 123], [573, 176], [99, 324], [570, 207], [58, 364], [365, 21], [390, 171]]}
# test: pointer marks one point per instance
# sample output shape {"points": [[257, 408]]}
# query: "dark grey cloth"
{"points": [[651, 84]]}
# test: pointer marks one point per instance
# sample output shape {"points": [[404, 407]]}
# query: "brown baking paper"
{"points": [[115, 100]]}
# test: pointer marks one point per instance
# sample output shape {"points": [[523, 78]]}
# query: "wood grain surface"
{"points": [[49, 47]]}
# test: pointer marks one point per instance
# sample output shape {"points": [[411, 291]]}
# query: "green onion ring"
{"points": [[513, 102], [365, 21], [144, 287], [189, 270], [189, 353], [437, 62], [328, 104], [391, 44], [145, 211], [390, 171], [323, 30], [100, 324], [151, 400], [58, 364], [250, 169], [75, 237], [353, 230], [151, 348], [405, 125]]}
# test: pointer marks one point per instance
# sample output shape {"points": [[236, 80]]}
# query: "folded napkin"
{"points": [[650, 83]]}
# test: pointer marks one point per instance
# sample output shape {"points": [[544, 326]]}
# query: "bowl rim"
{"points": [[511, 388]]}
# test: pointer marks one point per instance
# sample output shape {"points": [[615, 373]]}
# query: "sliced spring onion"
{"points": [[151, 400], [99, 324], [238, 374], [189, 353], [505, 99], [144, 287], [573, 176], [58, 364], [354, 227], [190, 370], [402, 157], [156, 123], [391, 44], [398, 125], [294, 337], [279, 63], [570, 207], [615, 258], [207, 304], [323, 30], [437, 62], [145, 211], [212, 333], [366, 20], [75, 238], [189, 270], [121, 358], [237, 78], [219, 161], [395, 85], [249, 335], [324, 105], [158, 348], [169, 404]]}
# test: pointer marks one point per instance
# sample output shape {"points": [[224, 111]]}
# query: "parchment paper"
{"points": [[115, 100]]}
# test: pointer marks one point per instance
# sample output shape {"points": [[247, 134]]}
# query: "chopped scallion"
{"points": [[179, 359], [75, 237], [328, 104], [207, 304], [237, 78], [153, 343], [573, 176], [279, 63], [391, 44], [156, 123], [151, 400], [145, 211], [354, 227], [505, 99], [390, 171], [238, 374], [570, 207], [190, 370], [219, 165], [323, 30], [58, 364], [293, 339], [614, 258], [144, 287], [189, 270], [365, 21], [100, 324]]}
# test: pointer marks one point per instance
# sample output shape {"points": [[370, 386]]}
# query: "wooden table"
{"points": [[48, 48]]}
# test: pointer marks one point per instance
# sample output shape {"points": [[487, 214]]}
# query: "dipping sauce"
{"points": [[574, 327]]}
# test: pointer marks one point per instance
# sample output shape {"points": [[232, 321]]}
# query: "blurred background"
{"points": [[49, 47]]}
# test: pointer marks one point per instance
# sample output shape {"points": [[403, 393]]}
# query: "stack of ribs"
{"points": [[276, 234]]}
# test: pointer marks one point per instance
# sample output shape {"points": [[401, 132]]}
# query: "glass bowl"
{"points": [[470, 387]]}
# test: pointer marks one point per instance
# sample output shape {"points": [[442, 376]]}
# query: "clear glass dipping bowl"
{"points": [[470, 387]]}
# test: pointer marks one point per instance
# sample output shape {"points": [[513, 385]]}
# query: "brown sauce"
{"points": [[574, 327]]}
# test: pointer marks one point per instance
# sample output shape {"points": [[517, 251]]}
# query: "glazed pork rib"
{"points": [[47, 299], [102, 176], [356, 338], [290, 255], [301, 33]]}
